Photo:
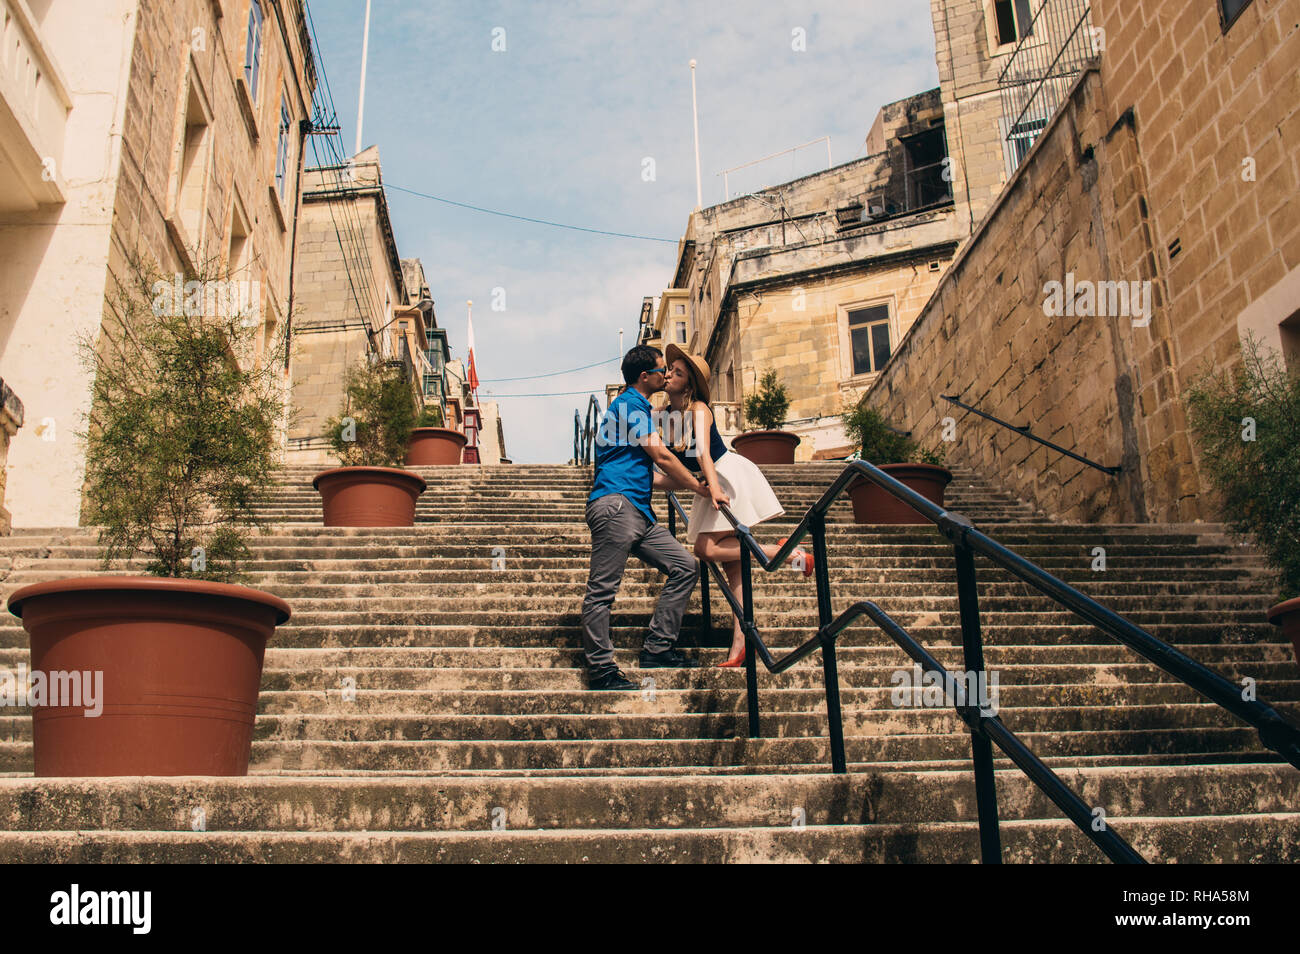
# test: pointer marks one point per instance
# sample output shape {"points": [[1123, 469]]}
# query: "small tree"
{"points": [[1247, 425], [431, 416], [878, 443], [766, 407], [374, 426], [185, 423]]}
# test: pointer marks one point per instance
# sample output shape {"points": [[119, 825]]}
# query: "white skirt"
{"points": [[752, 500]]}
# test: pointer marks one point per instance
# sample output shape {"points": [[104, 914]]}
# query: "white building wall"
{"points": [[55, 262]]}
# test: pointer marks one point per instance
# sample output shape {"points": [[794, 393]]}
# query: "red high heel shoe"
{"points": [[807, 557], [734, 662]]}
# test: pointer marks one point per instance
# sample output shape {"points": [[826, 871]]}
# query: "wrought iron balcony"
{"points": [[1054, 49]]}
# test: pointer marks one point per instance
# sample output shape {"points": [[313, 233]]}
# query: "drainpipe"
{"points": [[304, 126]]}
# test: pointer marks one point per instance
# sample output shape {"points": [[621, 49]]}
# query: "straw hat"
{"points": [[696, 366]]}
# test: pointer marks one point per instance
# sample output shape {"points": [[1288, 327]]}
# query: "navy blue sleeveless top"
{"points": [[716, 449]]}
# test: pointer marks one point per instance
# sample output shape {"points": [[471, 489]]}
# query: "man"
{"points": [[622, 521]]}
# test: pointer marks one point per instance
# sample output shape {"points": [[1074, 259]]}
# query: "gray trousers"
{"points": [[617, 529]]}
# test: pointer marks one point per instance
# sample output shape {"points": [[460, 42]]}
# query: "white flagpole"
{"points": [[695, 117], [361, 99]]}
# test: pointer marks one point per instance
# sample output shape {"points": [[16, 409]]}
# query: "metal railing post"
{"points": [[751, 651], [830, 669], [986, 795], [706, 615]]}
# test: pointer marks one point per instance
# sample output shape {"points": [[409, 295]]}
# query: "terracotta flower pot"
{"points": [[369, 496], [180, 662], [872, 504], [766, 447], [1287, 616], [434, 445]]}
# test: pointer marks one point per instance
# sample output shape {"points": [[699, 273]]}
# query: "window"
{"points": [[1019, 139], [679, 308], [240, 252], [253, 48], [282, 151], [194, 151], [869, 338], [680, 330], [1230, 10], [1012, 20], [925, 154]]}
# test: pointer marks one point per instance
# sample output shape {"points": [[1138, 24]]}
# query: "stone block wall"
{"points": [[985, 335], [1173, 163]]}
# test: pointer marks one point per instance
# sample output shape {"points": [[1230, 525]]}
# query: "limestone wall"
{"points": [[1139, 178], [984, 336]]}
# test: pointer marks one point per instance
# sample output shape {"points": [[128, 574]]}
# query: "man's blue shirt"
{"points": [[622, 464]]}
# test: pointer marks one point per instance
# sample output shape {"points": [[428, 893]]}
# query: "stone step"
{"points": [[567, 657], [630, 631], [621, 754], [1237, 839], [719, 725], [295, 803], [807, 675], [517, 573], [1241, 627], [1282, 694]]}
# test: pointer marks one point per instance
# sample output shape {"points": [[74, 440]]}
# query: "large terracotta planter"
{"points": [[181, 662], [369, 496], [1287, 617], [766, 447], [872, 504], [434, 445]]}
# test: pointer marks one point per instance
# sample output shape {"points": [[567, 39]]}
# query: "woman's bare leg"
{"points": [[723, 547], [737, 634]]}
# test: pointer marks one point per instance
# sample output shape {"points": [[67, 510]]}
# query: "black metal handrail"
{"points": [[1024, 431], [1276, 733], [584, 434]]}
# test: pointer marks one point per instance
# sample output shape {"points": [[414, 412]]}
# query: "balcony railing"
{"points": [[1053, 50], [34, 104]]}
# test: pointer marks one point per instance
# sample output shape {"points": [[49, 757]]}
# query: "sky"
{"points": [[581, 115]]}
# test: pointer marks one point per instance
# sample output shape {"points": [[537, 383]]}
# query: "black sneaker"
{"points": [[611, 678], [668, 659]]}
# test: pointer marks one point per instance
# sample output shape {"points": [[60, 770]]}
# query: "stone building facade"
{"points": [[174, 135], [817, 278], [1172, 163], [357, 297], [353, 297]]}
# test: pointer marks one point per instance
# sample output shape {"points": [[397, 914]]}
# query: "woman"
{"points": [[732, 480]]}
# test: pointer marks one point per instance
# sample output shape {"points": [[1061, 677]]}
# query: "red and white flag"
{"points": [[473, 373]]}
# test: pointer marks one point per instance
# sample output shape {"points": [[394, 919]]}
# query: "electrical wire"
{"points": [[526, 218], [551, 374], [547, 394]]}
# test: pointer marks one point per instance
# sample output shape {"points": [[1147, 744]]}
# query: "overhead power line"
{"points": [[552, 374], [527, 218], [546, 394]]}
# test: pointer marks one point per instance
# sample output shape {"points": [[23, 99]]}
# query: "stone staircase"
{"points": [[469, 735]]}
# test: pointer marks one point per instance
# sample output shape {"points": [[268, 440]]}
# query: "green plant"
{"points": [[373, 429], [1246, 423], [186, 421], [766, 407], [431, 416], [880, 444]]}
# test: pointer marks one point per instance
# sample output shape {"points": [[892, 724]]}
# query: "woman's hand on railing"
{"points": [[719, 498]]}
